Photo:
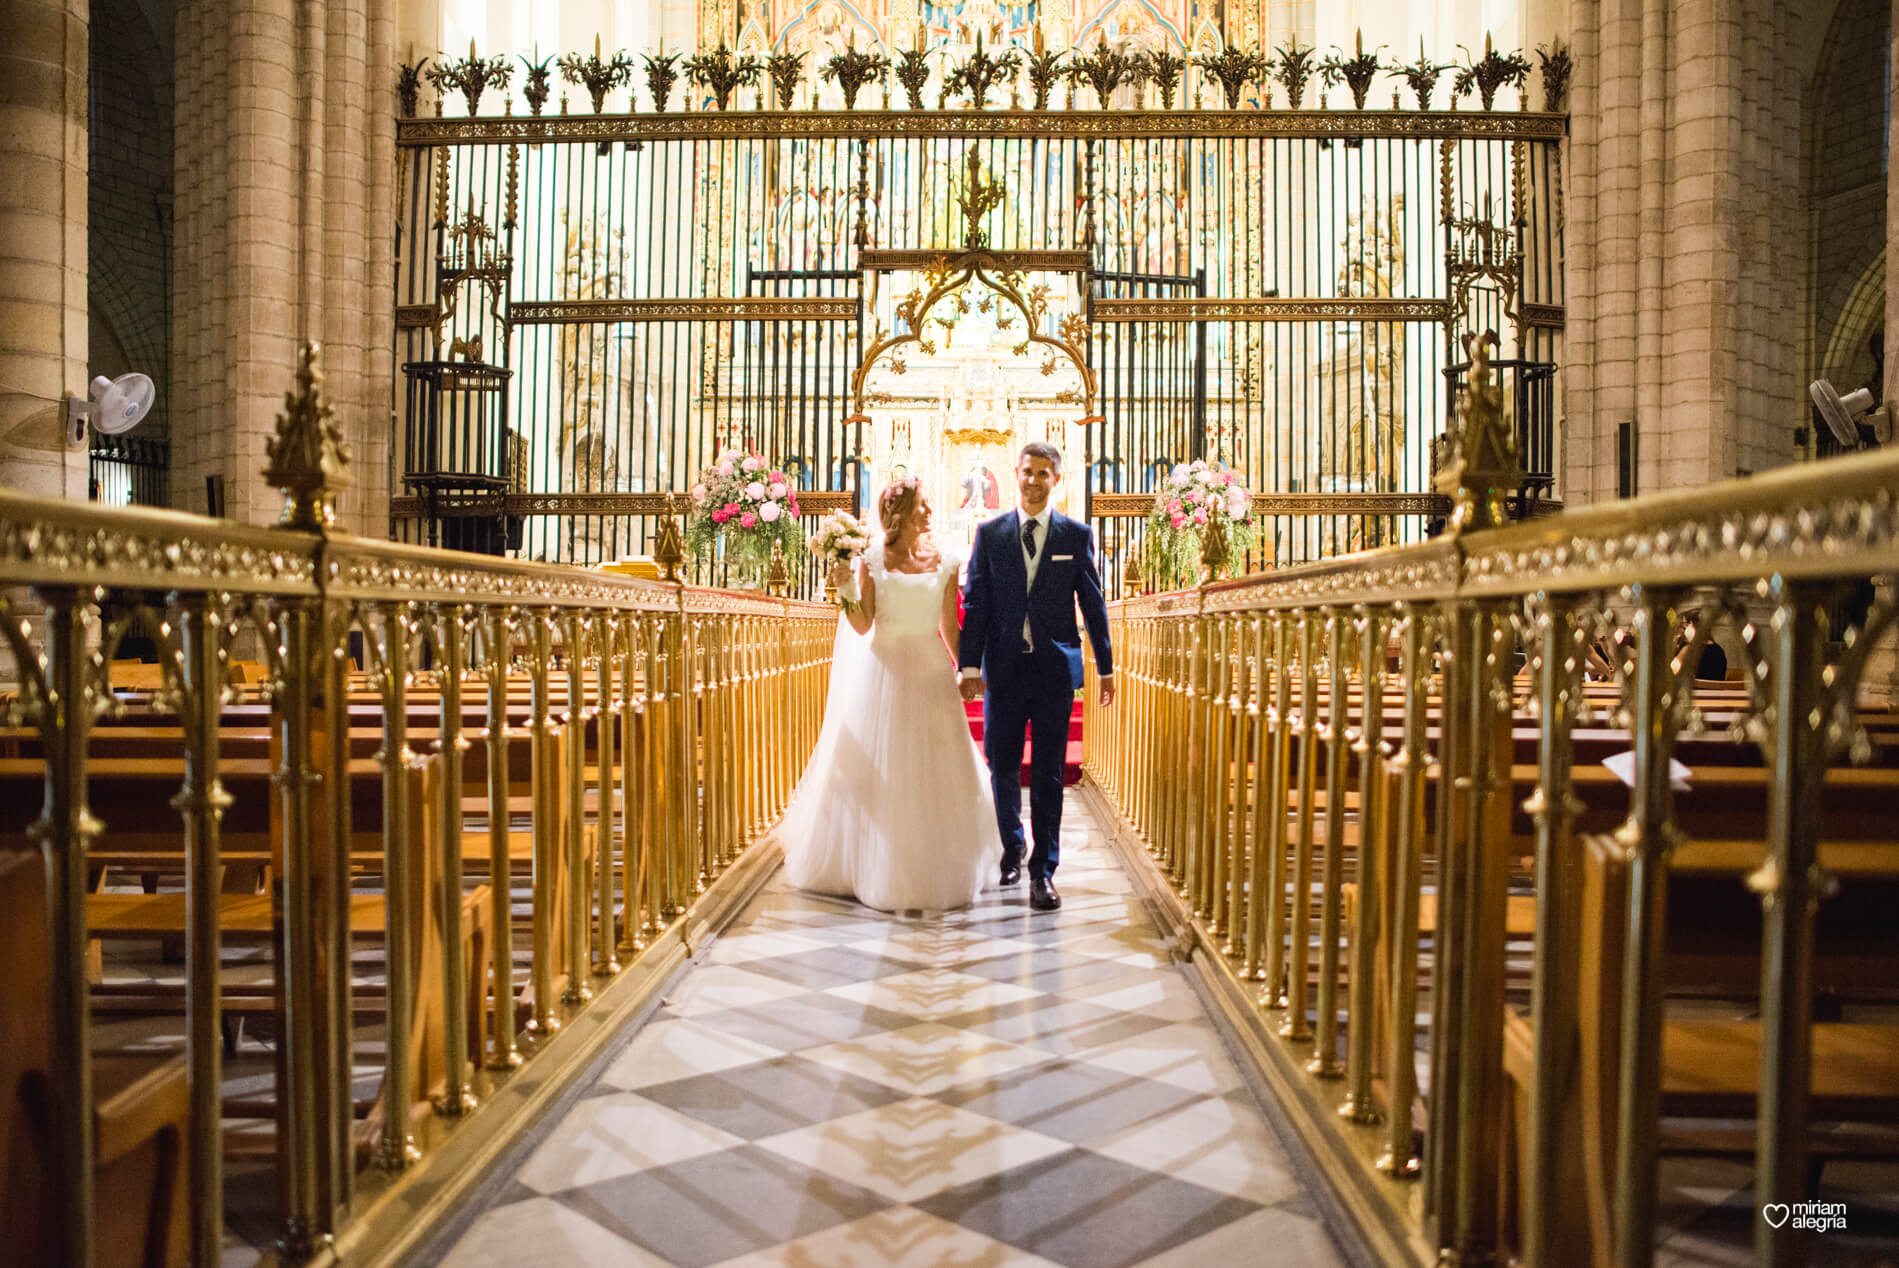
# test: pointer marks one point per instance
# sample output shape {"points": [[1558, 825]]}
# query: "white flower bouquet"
{"points": [[841, 538]]}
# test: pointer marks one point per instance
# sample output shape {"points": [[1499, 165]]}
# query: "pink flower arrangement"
{"points": [[745, 504], [1191, 497]]}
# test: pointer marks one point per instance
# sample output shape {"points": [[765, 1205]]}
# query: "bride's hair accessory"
{"points": [[896, 504]]}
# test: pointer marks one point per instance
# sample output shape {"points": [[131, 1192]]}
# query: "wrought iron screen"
{"points": [[1283, 291]]}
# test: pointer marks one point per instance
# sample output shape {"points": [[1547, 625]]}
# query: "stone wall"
{"points": [[1684, 265]]}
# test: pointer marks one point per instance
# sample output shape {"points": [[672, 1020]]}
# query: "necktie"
{"points": [[1028, 544]]}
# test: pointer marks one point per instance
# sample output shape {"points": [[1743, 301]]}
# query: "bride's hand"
{"points": [[840, 574]]}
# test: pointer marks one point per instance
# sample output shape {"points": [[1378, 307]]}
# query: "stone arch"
{"points": [[128, 290], [1846, 360], [1845, 140]]}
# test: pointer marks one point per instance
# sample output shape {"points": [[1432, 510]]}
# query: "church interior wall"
{"points": [[129, 197], [1845, 166]]}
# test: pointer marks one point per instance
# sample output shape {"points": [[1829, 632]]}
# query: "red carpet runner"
{"points": [[1071, 765]]}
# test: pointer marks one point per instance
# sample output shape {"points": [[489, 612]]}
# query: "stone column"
{"points": [[285, 232], [1681, 197], [43, 343], [1880, 679]]}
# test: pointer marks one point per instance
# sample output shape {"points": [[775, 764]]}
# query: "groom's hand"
{"points": [[1107, 692], [972, 688]]}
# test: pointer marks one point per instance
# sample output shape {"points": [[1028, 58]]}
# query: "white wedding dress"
{"points": [[894, 808]]}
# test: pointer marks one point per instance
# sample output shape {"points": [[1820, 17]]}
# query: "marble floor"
{"points": [[833, 1087]]}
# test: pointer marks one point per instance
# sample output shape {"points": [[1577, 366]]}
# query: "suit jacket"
{"points": [[998, 598]]}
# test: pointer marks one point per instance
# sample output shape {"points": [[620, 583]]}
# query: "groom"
{"points": [[1021, 654]]}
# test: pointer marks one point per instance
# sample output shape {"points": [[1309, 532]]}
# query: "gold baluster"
{"points": [[574, 639], [1401, 1075], [1245, 721], [1646, 840], [635, 789], [195, 682], [1791, 885], [297, 696], [389, 630], [1325, 1058], [1360, 1106], [607, 782], [65, 688], [1553, 808], [503, 1053], [1212, 780], [1297, 1025], [458, 1094], [1476, 890], [544, 1020]]}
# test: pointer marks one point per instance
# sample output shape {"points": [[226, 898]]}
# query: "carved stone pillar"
{"points": [[285, 232], [1677, 274], [43, 149]]}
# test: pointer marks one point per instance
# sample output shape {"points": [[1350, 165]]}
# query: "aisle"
{"points": [[831, 1087]]}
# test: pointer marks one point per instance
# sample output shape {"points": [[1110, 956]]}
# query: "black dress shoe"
{"points": [[1042, 895], [1011, 872]]}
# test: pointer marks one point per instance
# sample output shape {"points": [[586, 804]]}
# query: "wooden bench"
{"points": [[140, 1111], [1710, 1065]]}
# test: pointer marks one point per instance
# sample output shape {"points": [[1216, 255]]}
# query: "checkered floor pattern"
{"points": [[834, 1087]]}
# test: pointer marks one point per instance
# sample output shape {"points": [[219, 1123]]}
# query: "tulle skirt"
{"points": [[894, 808]]}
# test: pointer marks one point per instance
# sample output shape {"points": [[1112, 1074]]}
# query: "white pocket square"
{"points": [[1059, 558]]}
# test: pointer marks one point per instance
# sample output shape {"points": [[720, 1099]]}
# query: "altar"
{"points": [[956, 419]]}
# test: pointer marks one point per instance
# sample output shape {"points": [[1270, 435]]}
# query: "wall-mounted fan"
{"points": [[115, 405], [1845, 415]]}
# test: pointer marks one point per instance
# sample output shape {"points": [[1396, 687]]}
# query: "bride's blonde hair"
{"points": [[896, 504]]}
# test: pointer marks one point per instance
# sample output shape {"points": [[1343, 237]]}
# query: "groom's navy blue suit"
{"points": [[1033, 689]]}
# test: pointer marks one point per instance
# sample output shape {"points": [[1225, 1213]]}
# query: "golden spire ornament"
{"points": [[669, 552], [307, 457]]}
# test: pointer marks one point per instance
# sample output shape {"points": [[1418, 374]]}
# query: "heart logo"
{"points": [[1775, 1213]]}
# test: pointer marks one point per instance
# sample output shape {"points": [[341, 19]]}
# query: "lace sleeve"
{"points": [[874, 558]]}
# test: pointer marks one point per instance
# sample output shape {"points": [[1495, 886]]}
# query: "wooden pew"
{"points": [[140, 1111], [1710, 1065]]}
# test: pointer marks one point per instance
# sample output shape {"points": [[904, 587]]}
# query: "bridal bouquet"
{"points": [[744, 501], [840, 538], [1193, 496]]}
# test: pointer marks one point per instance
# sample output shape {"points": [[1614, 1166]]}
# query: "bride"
{"points": [[895, 808]]}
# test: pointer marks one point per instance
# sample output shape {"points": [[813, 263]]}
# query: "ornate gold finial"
{"points": [[978, 195], [1132, 578], [1484, 468], [669, 552], [778, 572], [1213, 550], [307, 457]]}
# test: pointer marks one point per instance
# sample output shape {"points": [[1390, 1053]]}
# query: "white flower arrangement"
{"points": [[840, 538]]}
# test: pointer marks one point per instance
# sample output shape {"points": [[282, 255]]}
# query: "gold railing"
{"points": [[438, 744], [1354, 801]]}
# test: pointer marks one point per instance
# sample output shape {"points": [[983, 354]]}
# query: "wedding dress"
{"points": [[894, 808]]}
